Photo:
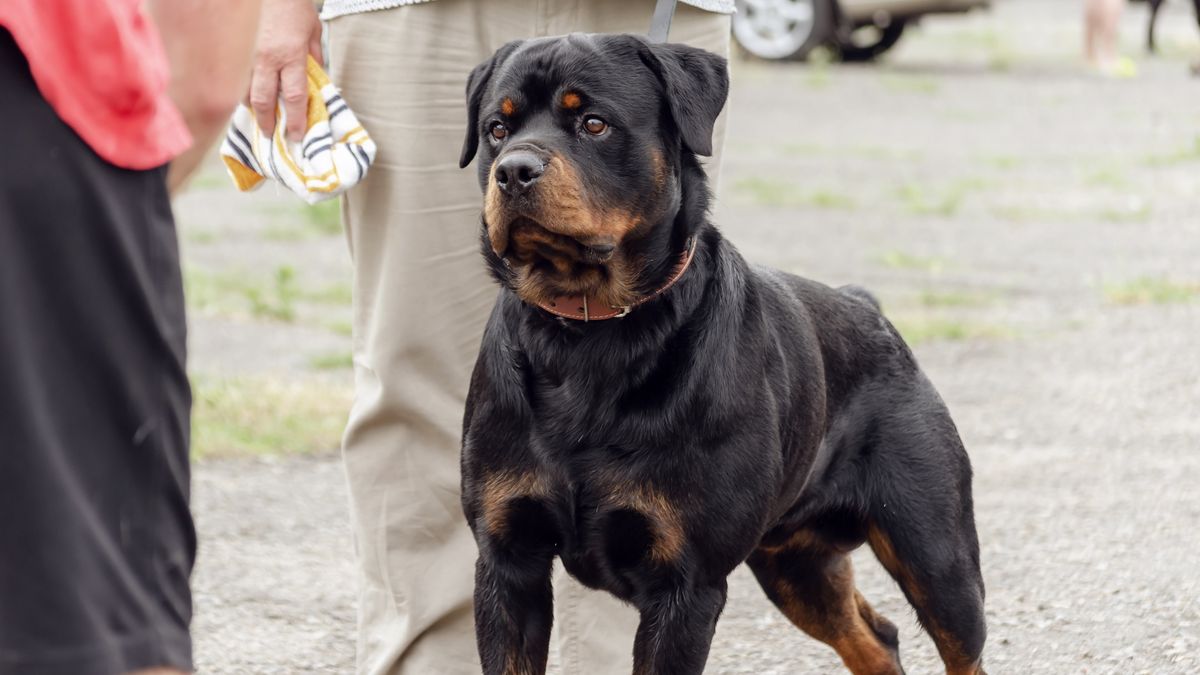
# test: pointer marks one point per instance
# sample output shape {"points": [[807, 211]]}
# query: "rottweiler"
{"points": [[654, 410]]}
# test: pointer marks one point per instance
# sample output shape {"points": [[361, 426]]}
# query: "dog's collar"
{"points": [[580, 308]]}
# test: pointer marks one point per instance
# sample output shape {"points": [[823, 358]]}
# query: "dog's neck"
{"points": [[585, 308]]}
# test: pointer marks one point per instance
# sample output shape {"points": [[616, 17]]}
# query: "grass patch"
{"points": [[260, 416], [799, 150], [921, 329], [302, 222], [817, 76], [1151, 291], [776, 193], [1106, 177], [900, 260], [913, 84], [199, 236], [274, 298], [339, 327], [240, 294], [1003, 162], [1001, 60], [1031, 214], [1138, 211], [1183, 155], [924, 200], [326, 217], [333, 294], [331, 361], [935, 299], [884, 152]]}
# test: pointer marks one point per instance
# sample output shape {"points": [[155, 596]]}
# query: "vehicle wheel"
{"points": [[782, 29], [868, 42]]}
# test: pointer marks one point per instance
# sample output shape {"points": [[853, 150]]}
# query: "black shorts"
{"points": [[96, 540]]}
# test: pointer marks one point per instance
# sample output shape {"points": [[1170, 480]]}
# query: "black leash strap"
{"points": [[660, 25]]}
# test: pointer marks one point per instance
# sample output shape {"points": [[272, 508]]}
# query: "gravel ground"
{"points": [[1004, 203]]}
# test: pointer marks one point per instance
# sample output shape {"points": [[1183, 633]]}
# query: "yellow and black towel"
{"points": [[333, 156]]}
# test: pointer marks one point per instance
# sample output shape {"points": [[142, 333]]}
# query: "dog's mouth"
{"points": [[530, 242]]}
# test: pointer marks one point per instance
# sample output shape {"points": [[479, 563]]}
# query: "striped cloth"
{"points": [[333, 156]]}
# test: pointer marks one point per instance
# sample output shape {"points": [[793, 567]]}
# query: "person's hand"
{"points": [[288, 32]]}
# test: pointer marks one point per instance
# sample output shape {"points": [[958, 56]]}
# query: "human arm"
{"points": [[210, 46]]}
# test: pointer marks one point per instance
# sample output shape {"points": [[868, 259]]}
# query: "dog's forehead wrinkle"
{"points": [[566, 57]]}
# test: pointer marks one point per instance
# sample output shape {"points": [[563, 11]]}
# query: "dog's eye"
{"points": [[595, 126], [499, 131]]}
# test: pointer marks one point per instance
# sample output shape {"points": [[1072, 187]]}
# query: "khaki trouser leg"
{"points": [[421, 298]]}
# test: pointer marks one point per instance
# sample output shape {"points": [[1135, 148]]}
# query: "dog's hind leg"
{"points": [[813, 586], [922, 528]]}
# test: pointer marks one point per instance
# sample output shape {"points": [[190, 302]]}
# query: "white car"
{"points": [[858, 30]]}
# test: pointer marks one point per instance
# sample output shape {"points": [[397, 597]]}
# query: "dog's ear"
{"points": [[477, 84], [696, 83]]}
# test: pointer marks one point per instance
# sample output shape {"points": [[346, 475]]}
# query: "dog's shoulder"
{"points": [[855, 338]]}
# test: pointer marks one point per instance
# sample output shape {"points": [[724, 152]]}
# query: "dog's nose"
{"points": [[518, 171]]}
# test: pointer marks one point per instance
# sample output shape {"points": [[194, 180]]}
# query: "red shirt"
{"points": [[100, 64]]}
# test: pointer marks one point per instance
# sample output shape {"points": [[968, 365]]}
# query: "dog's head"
{"points": [[581, 142]]}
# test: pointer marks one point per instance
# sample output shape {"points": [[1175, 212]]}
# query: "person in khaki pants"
{"points": [[422, 297]]}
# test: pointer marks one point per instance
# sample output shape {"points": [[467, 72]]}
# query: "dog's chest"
{"points": [[619, 527]]}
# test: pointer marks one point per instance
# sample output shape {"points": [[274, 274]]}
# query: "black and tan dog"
{"points": [[654, 410]]}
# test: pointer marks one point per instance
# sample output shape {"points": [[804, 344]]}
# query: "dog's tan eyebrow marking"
{"points": [[571, 100], [508, 107]]}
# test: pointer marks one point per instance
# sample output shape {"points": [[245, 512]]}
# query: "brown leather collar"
{"points": [[580, 308]]}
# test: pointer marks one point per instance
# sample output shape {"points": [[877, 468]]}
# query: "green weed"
{"points": [[261, 415], [1151, 291]]}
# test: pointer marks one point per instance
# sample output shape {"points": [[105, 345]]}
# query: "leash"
{"points": [[660, 25]]}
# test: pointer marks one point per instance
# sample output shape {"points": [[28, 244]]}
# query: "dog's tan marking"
{"points": [[836, 614], [957, 661], [800, 538], [508, 107], [659, 166], [881, 545], [571, 101], [665, 520], [499, 491]]}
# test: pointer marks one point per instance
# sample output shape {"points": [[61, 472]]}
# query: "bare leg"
{"points": [[1101, 22]]}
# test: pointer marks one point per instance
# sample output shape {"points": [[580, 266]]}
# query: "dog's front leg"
{"points": [[514, 609], [677, 629]]}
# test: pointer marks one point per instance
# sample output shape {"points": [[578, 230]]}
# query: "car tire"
{"points": [[887, 37], [783, 29]]}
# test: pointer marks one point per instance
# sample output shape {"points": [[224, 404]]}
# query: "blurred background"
{"points": [[1030, 224]]}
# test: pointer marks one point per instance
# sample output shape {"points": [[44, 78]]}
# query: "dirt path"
{"points": [[1033, 229]]}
